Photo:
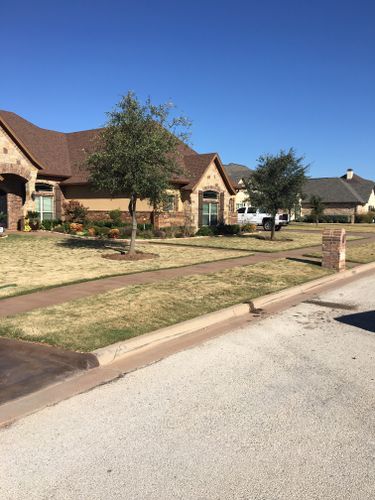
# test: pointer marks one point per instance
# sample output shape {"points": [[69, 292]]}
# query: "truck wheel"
{"points": [[277, 228], [267, 225]]}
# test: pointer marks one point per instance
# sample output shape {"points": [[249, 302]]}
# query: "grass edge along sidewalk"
{"points": [[100, 320]]}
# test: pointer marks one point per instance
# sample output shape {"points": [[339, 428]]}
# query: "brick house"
{"points": [[41, 169], [348, 195]]}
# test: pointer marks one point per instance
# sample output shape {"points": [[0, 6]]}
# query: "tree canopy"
{"points": [[137, 152], [276, 183]]}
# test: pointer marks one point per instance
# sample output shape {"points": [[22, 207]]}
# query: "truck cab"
{"points": [[259, 217]]}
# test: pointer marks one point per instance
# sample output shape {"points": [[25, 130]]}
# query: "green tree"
{"points": [[317, 207], [137, 152], [276, 183]]}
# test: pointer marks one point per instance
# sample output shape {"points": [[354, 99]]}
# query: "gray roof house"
{"points": [[349, 194]]}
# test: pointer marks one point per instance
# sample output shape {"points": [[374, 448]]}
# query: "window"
{"points": [[41, 187], [251, 210], [169, 203], [209, 216], [210, 195], [44, 205], [241, 210]]}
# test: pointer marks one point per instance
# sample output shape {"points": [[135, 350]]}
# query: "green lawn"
{"points": [[362, 254], [30, 262], [90, 323], [257, 242]]}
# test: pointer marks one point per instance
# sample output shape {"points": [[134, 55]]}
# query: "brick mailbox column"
{"points": [[333, 249]]}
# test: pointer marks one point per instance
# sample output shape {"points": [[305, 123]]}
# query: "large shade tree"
{"points": [[136, 154], [276, 184]]}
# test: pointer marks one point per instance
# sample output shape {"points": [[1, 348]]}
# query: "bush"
{"points": [[115, 216], [75, 212], [126, 231], [368, 218], [206, 231], [339, 219], [33, 218], [102, 232], [228, 229], [248, 228], [50, 225], [145, 227], [75, 227], [159, 233], [91, 231], [114, 233], [147, 234]]}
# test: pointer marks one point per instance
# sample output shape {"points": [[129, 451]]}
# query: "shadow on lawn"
{"points": [[73, 243], [364, 320]]}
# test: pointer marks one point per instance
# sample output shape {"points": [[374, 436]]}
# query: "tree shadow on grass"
{"points": [[74, 243], [364, 320]]}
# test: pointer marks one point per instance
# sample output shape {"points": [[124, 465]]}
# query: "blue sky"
{"points": [[253, 76]]}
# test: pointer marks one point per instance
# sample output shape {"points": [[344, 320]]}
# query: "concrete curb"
{"points": [[123, 349]]}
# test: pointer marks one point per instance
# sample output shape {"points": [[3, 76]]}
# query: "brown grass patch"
{"points": [[103, 319], [30, 262], [126, 256]]}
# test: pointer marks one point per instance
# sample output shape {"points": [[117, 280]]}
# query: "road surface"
{"points": [[280, 409]]}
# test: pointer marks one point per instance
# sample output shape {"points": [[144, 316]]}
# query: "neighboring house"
{"points": [[347, 195], [41, 169], [239, 173]]}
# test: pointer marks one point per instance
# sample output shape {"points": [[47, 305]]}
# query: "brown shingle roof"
{"points": [[46, 148], [62, 155]]}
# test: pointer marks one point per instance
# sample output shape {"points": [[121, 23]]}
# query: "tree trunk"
{"points": [[133, 213], [273, 227]]}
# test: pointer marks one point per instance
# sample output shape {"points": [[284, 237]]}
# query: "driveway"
{"points": [[26, 367], [280, 409]]}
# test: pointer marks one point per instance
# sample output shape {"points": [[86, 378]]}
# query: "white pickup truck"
{"points": [[257, 216]]}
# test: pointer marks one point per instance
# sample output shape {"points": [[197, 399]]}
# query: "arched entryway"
{"points": [[12, 199]]}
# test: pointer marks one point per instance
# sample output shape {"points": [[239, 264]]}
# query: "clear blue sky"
{"points": [[254, 76]]}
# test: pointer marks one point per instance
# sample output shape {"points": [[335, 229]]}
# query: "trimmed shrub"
{"points": [[125, 231], [91, 231], [114, 233], [339, 219], [75, 227], [206, 231], [228, 229], [115, 216], [102, 232], [159, 233], [75, 212], [249, 228]]}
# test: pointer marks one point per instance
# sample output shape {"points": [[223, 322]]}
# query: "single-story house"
{"points": [[348, 195], [239, 173], [41, 169]]}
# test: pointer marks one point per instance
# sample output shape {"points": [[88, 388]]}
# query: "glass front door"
{"points": [[209, 214]]}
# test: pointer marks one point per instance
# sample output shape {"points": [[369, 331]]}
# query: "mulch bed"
{"points": [[137, 256]]}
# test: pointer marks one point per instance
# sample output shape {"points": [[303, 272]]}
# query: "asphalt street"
{"points": [[279, 409]]}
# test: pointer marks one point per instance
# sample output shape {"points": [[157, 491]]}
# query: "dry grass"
{"points": [[360, 228], [90, 323], [258, 242], [30, 262], [362, 254]]}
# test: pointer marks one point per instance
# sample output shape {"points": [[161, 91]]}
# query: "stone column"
{"points": [[15, 214], [333, 249]]}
